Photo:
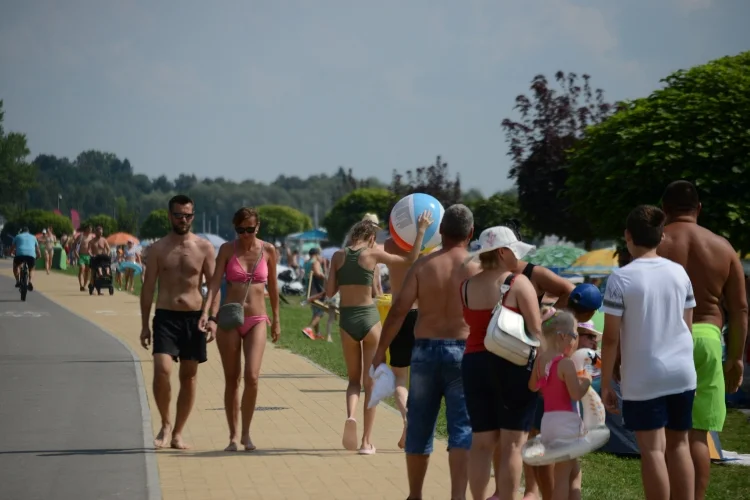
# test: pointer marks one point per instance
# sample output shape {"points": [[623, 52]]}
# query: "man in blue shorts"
{"points": [[26, 249], [440, 338]]}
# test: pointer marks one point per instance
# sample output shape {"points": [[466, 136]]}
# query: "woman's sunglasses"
{"points": [[243, 230]]}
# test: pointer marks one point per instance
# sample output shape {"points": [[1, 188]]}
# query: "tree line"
{"points": [[579, 164]]}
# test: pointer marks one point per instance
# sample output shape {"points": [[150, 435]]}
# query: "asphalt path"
{"points": [[71, 407]]}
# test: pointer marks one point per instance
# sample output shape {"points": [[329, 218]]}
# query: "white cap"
{"points": [[44, 231], [498, 237]]}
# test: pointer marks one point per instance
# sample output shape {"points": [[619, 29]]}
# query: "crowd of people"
{"points": [[665, 307]]}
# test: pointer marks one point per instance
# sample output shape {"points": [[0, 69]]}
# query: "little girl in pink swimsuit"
{"points": [[556, 376]]}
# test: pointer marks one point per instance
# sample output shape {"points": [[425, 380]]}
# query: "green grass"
{"points": [[605, 477]]}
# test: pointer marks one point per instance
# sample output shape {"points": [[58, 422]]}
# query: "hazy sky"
{"points": [[253, 89]]}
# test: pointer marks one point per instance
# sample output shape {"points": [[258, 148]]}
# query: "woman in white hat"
{"points": [[501, 407]]}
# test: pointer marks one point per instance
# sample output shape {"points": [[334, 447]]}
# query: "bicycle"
{"points": [[23, 278]]}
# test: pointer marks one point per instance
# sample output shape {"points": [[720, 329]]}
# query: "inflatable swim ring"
{"points": [[137, 269], [596, 434]]}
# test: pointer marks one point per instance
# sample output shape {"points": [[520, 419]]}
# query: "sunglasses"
{"points": [[182, 216], [243, 230]]}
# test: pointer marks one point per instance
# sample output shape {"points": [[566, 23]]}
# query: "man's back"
{"points": [[25, 244], [707, 259], [439, 277]]}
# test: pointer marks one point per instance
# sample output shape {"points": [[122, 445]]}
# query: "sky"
{"points": [[252, 89]]}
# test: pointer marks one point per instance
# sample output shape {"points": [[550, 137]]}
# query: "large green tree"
{"points": [[697, 128], [156, 225], [351, 208], [109, 224], [497, 210], [36, 220], [434, 180], [551, 122], [277, 221], [17, 176]]}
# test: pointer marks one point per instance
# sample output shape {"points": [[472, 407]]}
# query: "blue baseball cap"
{"points": [[586, 296]]}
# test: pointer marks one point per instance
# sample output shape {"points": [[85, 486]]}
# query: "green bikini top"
{"points": [[351, 273]]}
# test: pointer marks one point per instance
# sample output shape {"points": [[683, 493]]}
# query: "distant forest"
{"points": [[100, 183]]}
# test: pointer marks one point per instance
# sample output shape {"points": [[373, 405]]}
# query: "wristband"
{"points": [[213, 318]]}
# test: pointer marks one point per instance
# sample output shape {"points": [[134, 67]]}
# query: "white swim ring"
{"points": [[596, 433]]}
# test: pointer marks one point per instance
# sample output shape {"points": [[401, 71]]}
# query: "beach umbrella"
{"points": [[555, 256], [598, 262], [118, 239]]}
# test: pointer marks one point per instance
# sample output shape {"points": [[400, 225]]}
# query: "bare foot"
{"points": [[178, 444], [232, 446], [402, 441], [164, 437], [247, 443]]}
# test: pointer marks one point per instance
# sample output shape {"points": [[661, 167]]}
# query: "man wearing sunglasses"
{"points": [[177, 262]]}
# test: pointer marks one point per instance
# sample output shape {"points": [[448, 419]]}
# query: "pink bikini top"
{"points": [[236, 273], [554, 390]]}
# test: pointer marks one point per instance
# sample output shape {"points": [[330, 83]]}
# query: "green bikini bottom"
{"points": [[357, 321]]}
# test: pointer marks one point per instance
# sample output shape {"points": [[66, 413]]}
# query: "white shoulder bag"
{"points": [[506, 336]]}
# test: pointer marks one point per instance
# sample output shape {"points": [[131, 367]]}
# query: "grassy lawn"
{"points": [[605, 477]]}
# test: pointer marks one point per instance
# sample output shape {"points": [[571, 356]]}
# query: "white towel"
{"points": [[383, 384]]}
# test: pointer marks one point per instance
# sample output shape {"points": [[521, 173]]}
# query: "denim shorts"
{"points": [[436, 374]]}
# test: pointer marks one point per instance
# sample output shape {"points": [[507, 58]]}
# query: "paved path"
{"points": [[297, 427], [70, 412]]}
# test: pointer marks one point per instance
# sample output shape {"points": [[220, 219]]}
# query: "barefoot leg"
{"points": [[163, 394], [185, 400], [253, 346]]}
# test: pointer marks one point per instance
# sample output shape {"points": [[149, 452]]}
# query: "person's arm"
{"points": [[377, 287], [525, 295], [37, 249], [273, 285], [317, 270], [614, 307], [399, 309], [147, 296], [383, 257], [577, 386], [534, 379], [551, 284], [108, 249], [332, 286], [213, 297], [736, 303]]}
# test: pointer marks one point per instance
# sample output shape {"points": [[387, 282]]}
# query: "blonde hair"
{"points": [[363, 231], [556, 322]]}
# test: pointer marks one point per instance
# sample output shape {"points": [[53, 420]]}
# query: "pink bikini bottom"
{"points": [[250, 322]]}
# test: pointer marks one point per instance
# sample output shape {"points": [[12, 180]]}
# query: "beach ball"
{"points": [[403, 221]]}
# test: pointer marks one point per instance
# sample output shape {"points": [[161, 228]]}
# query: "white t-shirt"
{"points": [[651, 296]]}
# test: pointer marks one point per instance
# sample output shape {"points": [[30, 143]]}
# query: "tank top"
{"points": [[528, 271], [351, 273], [553, 388], [318, 283], [479, 319]]}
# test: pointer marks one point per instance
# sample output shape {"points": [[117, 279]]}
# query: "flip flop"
{"points": [[349, 441], [367, 451]]}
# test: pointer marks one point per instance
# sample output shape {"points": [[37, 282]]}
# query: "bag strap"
{"points": [[505, 287], [252, 273]]}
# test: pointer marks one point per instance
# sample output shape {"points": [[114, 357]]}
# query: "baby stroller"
{"points": [[101, 274]]}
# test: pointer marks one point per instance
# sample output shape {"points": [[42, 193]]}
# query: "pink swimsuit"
{"points": [[561, 421], [235, 273]]}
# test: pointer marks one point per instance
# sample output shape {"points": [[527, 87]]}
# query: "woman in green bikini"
{"points": [[352, 270]]}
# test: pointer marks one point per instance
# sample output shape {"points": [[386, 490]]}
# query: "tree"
{"points": [[433, 180], [696, 128], [351, 208], [277, 221], [17, 177], [36, 220], [551, 122], [127, 220], [109, 225], [497, 210], [156, 225]]}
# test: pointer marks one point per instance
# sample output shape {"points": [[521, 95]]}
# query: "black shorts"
{"points": [[19, 259], [176, 333], [400, 349], [497, 393]]}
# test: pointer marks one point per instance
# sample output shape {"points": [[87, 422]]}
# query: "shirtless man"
{"points": [[441, 333], [716, 273], [401, 346], [177, 262], [81, 246], [99, 251]]}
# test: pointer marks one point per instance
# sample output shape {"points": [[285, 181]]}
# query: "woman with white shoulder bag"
{"points": [[502, 311]]}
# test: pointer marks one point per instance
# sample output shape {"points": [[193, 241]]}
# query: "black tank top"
{"points": [[527, 271]]}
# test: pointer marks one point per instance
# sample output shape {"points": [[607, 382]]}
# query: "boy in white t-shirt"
{"points": [[648, 308]]}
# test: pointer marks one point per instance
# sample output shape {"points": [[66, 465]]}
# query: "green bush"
{"points": [[36, 220], [108, 223]]}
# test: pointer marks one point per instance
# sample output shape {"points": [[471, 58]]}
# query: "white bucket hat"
{"points": [[498, 237]]}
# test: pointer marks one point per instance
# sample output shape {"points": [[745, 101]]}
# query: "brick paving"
{"points": [[297, 427]]}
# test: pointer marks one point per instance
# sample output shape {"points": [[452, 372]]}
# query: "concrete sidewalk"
{"points": [[297, 426]]}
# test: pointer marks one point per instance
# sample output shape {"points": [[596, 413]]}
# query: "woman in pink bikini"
{"points": [[248, 264]]}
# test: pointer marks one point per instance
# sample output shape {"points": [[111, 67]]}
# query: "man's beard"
{"points": [[181, 230]]}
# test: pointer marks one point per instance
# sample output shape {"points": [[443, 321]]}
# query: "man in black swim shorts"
{"points": [[178, 262]]}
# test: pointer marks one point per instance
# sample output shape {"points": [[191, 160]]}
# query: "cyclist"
{"points": [[26, 249]]}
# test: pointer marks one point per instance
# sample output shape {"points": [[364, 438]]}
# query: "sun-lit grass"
{"points": [[605, 477]]}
